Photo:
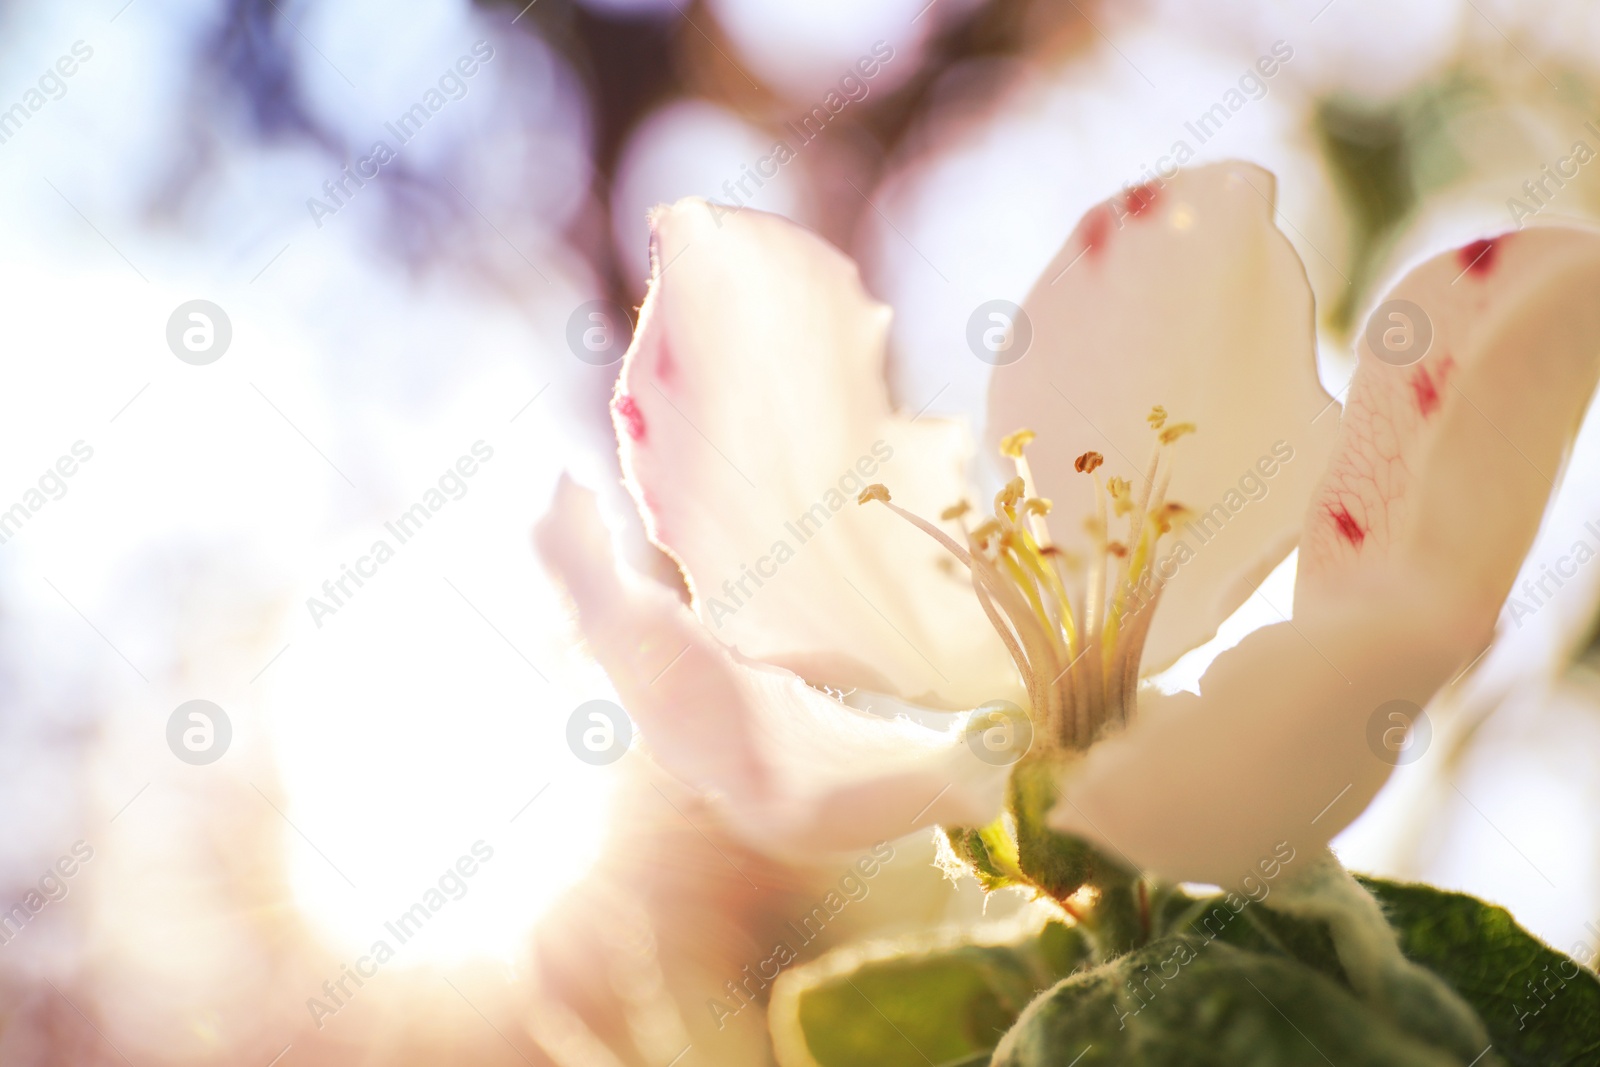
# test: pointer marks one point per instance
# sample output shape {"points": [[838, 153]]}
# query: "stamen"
{"points": [[881, 494], [875, 491], [1121, 495], [1152, 518], [1036, 560], [1037, 648], [1005, 501], [1094, 602], [1175, 431], [955, 511], [1170, 515], [1051, 607], [983, 580], [1007, 558], [1013, 649], [1012, 444], [1124, 576]]}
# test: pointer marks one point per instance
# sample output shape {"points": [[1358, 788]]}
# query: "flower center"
{"points": [[1074, 623]]}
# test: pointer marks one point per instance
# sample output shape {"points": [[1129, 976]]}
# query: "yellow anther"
{"points": [[1087, 462], [1175, 431], [955, 511], [1007, 498], [1011, 445], [1157, 417], [986, 530], [1168, 515], [1036, 505], [1121, 495], [875, 491]]}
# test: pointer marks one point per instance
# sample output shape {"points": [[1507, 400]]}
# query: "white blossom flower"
{"points": [[751, 412]]}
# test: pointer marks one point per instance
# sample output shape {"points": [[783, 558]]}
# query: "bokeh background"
{"points": [[382, 330]]}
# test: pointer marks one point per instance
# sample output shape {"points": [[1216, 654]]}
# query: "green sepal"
{"points": [[990, 854], [913, 1002], [1057, 863], [1254, 927]]}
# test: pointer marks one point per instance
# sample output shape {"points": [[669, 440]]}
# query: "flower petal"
{"points": [[1283, 748], [1182, 294], [751, 411], [1446, 465], [798, 772], [1442, 471]]}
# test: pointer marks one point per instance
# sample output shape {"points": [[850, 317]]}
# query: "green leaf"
{"points": [[1185, 1000], [1225, 918], [1308, 942], [1384, 160], [1542, 1009], [1403, 992], [900, 1005]]}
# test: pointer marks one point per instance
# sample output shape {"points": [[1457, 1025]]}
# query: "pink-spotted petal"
{"points": [[796, 772], [1183, 294], [1445, 465], [1443, 468], [751, 412]]}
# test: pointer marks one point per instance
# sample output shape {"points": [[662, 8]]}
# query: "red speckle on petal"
{"points": [[1140, 198], [1447, 367], [1478, 257], [1425, 392], [1347, 525], [627, 409], [1095, 229], [666, 366]]}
